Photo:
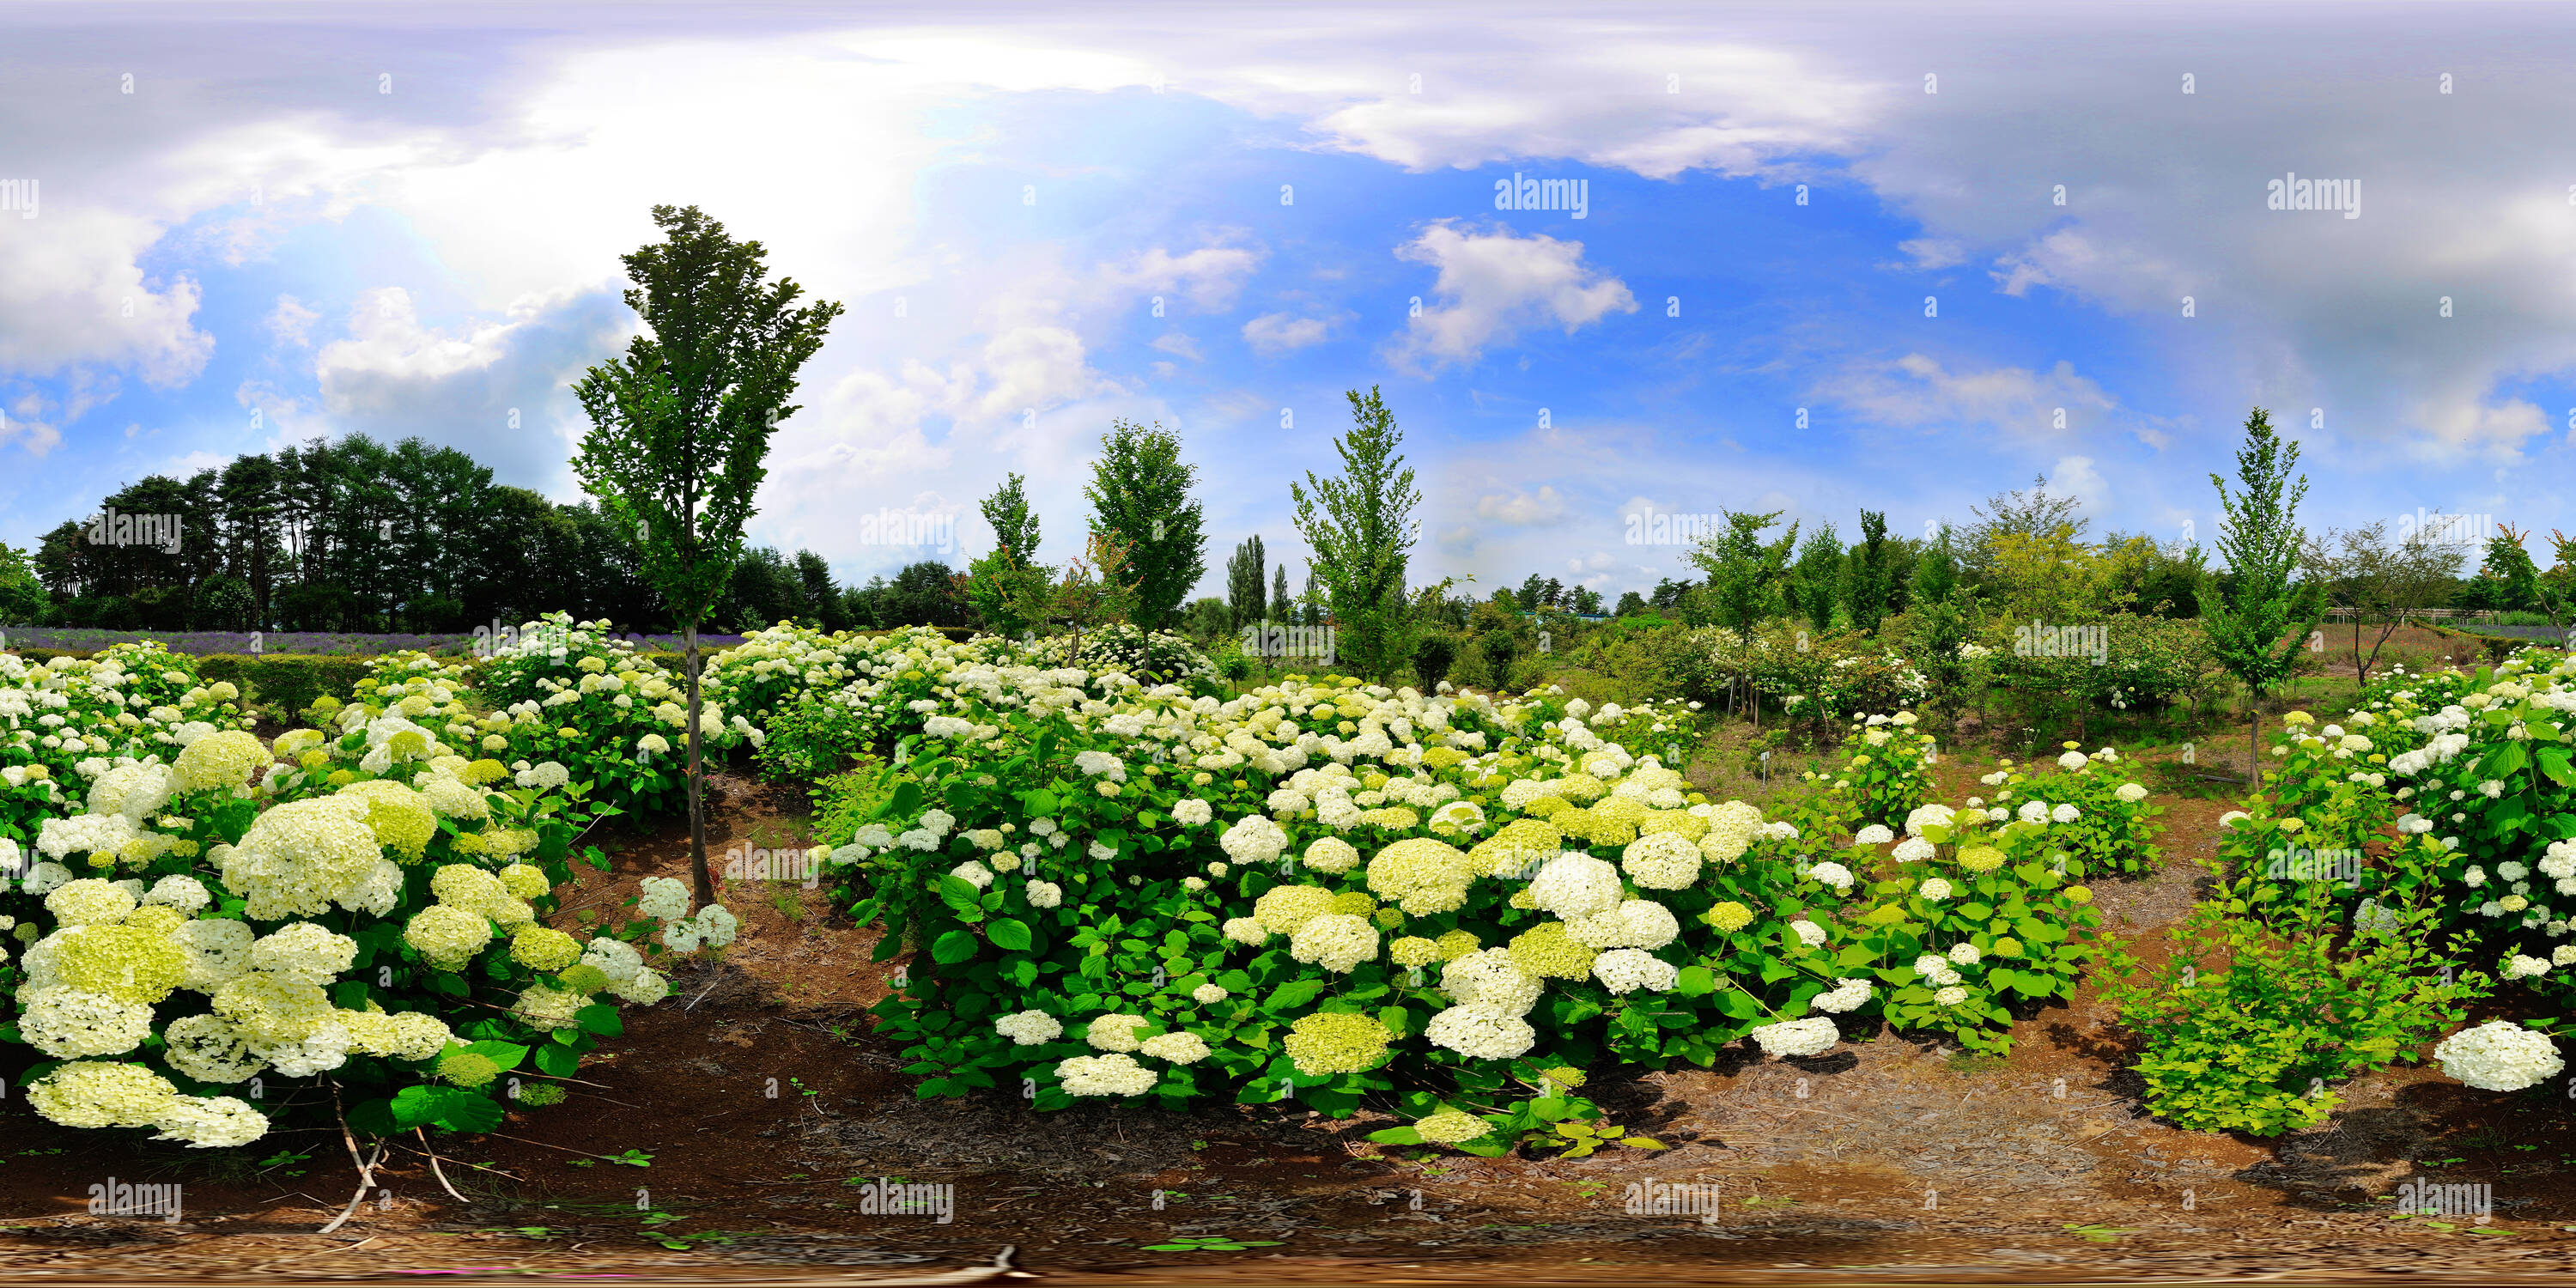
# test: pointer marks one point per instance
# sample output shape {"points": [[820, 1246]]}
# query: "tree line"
{"points": [[355, 535]]}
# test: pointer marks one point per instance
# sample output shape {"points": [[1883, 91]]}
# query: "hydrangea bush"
{"points": [[562, 692], [214, 931], [1321, 890]]}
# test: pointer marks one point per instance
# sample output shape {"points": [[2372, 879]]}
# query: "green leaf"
{"points": [[558, 1061], [2558, 765], [465, 1111], [904, 803], [599, 1018], [414, 1107], [953, 947], [959, 893], [1396, 1136], [1009, 934], [1293, 994], [1695, 981], [505, 1054], [375, 1118]]}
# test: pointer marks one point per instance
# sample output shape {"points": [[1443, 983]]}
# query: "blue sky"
{"points": [[308, 221]]}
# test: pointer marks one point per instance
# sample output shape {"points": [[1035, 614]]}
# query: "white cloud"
{"points": [[1522, 509], [1917, 391], [1272, 334], [291, 322], [1491, 285], [1208, 277], [2076, 476], [1179, 345], [498, 390]]}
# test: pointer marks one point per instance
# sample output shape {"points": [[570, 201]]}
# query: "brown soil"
{"points": [[763, 1101]]}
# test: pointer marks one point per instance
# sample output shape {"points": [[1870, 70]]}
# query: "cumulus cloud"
{"points": [[1272, 334], [290, 322], [1522, 509], [1207, 277], [498, 390], [1493, 284], [1918, 391]]}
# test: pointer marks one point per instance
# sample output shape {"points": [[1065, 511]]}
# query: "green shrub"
{"points": [[286, 683], [2292, 1005]]}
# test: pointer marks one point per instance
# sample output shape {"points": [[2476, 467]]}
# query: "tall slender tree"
{"points": [[1869, 574], [1247, 583], [681, 424], [1003, 585], [1360, 526], [2258, 616], [1140, 500]]}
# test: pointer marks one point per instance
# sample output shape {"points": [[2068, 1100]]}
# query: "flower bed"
{"points": [[212, 926], [1323, 891]]}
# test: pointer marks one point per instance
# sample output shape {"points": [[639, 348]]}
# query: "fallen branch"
{"points": [[434, 1168], [366, 1167]]}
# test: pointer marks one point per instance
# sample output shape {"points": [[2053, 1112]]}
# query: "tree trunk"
{"points": [[702, 883], [2254, 736]]}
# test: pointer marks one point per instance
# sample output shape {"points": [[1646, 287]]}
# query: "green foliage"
{"points": [[2257, 616], [1247, 585], [2291, 1004], [1870, 574], [680, 425], [1815, 582], [1140, 500], [286, 682], [22, 597], [810, 741], [1744, 572], [1359, 525]]}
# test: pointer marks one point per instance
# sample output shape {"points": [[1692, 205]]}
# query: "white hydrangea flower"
{"points": [[1029, 1028], [1480, 1032], [1626, 970], [2499, 1055], [1784, 1039], [1846, 995], [1574, 885]]}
